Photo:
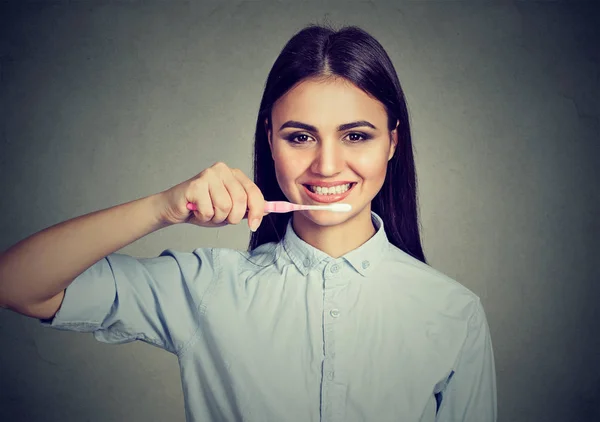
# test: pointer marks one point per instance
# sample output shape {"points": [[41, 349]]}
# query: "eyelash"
{"points": [[291, 138]]}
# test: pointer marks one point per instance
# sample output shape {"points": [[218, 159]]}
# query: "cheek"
{"points": [[372, 167], [288, 166]]}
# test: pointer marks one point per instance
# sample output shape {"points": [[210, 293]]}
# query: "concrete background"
{"points": [[105, 102]]}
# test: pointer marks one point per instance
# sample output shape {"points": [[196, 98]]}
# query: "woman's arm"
{"points": [[470, 395], [35, 271]]}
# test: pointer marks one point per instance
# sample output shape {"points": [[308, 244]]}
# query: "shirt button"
{"points": [[330, 376], [307, 262], [335, 268], [365, 264], [334, 313]]}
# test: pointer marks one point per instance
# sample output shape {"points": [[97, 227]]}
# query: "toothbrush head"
{"points": [[340, 207]]}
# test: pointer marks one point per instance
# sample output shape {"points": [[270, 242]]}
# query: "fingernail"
{"points": [[254, 224]]}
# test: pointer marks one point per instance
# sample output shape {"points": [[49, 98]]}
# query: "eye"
{"points": [[298, 138], [356, 137]]}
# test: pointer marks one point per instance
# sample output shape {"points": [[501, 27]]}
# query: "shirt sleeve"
{"points": [[470, 395], [157, 300]]}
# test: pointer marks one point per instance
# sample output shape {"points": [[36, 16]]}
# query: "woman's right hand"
{"points": [[222, 196]]}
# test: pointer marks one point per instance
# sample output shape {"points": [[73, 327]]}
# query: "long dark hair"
{"points": [[350, 53]]}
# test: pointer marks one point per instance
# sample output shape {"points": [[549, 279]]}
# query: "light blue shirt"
{"points": [[288, 333]]}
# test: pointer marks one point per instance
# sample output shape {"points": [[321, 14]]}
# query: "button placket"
{"points": [[332, 270], [331, 313], [333, 273]]}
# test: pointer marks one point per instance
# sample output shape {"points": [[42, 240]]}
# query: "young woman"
{"points": [[328, 316]]}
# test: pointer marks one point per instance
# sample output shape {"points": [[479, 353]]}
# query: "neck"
{"points": [[335, 240]]}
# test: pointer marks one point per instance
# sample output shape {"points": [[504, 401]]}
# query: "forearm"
{"points": [[44, 264]]}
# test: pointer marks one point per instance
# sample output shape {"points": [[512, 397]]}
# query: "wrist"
{"points": [[157, 205]]}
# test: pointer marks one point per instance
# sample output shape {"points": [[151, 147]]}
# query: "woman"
{"points": [[328, 316]]}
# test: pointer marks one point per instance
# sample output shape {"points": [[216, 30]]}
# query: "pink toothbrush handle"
{"points": [[272, 206], [280, 206]]}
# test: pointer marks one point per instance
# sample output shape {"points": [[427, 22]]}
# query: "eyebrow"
{"points": [[311, 128]]}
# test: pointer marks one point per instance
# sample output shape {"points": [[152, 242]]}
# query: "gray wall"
{"points": [[106, 102]]}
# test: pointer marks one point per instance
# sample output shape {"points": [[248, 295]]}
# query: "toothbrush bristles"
{"points": [[337, 207]]}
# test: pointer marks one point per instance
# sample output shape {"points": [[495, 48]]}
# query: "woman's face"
{"points": [[330, 143]]}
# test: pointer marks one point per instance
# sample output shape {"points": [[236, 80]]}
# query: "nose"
{"points": [[329, 159]]}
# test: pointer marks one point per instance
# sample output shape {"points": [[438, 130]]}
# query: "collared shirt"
{"points": [[288, 333]]}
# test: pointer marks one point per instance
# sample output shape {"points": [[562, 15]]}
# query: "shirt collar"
{"points": [[363, 259]]}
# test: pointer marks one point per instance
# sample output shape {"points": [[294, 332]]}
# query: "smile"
{"points": [[332, 190], [329, 194]]}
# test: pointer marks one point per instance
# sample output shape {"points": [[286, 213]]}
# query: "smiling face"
{"points": [[330, 143]]}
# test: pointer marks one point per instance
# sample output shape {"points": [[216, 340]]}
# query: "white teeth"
{"points": [[331, 190]]}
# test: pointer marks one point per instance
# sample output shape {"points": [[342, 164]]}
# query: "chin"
{"points": [[326, 218]]}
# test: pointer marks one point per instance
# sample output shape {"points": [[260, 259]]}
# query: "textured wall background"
{"points": [[105, 102]]}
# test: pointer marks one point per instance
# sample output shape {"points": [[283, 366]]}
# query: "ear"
{"points": [[268, 131], [394, 140], [269, 136]]}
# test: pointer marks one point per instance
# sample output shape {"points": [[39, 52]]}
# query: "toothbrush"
{"points": [[283, 206]]}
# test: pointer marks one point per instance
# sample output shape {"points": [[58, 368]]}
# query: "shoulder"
{"points": [[205, 258], [430, 286], [229, 259], [181, 260]]}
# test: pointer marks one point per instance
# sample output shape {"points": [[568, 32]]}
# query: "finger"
{"points": [[238, 197], [201, 198], [255, 200], [221, 201]]}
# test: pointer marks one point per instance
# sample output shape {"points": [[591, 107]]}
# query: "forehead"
{"points": [[328, 103]]}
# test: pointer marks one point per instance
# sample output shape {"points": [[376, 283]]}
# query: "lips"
{"points": [[327, 198]]}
